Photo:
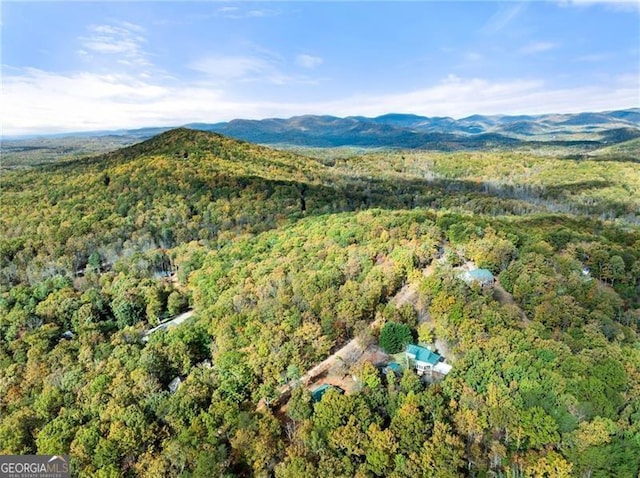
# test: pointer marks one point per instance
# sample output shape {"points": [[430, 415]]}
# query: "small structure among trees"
{"points": [[424, 360], [318, 393], [484, 277]]}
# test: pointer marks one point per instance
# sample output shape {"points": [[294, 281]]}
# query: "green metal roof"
{"points": [[482, 275], [396, 367], [422, 354], [318, 393]]}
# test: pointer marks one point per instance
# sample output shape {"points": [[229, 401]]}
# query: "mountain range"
{"points": [[585, 131], [412, 131]]}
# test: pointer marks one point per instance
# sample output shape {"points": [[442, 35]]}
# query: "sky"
{"points": [[84, 66]]}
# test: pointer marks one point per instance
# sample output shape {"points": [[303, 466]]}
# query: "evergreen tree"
{"points": [[394, 336]]}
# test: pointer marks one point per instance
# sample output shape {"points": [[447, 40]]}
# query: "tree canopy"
{"points": [[284, 259]]}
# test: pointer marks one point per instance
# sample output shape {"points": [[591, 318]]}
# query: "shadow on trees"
{"points": [[256, 204]]}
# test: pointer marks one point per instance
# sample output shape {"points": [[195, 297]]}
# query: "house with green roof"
{"points": [[318, 393], [484, 277], [394, 367], [424, 360]]}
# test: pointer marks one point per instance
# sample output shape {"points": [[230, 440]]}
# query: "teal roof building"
{"points": [[318, 393], [422, 355], [424, 360], [394, 367], [482, 276]]}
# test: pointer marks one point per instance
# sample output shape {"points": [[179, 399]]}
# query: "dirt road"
{"points": [[349, 353]]}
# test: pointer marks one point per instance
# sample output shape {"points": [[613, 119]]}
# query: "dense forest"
{"points": [[284, 258]]}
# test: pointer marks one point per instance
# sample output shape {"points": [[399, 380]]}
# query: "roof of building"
{"points": [[67, 335], [480, 275], [174, 385], [318, 393], [394, 366], [443, 368], [422, 354]]}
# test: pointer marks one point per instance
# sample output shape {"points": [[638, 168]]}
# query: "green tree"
{"points": [[299, 407], [394, 336], [381, 448], [128, 310], [614, 269], [442, 455], [177, 302], [94, 263], [410, 426]]}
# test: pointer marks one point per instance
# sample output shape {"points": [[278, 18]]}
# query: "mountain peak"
{"points": [[178, 141]]}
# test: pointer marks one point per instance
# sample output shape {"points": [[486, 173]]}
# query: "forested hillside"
{"points": [[284, 258]]}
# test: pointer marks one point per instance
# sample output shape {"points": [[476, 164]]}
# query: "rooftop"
{"points": [[395, 367], [423, 354], [318, 393], [480, 275]]}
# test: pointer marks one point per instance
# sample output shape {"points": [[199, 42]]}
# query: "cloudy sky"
{"points": [[89, 66]]}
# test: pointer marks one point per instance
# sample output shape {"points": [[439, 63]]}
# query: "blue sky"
{"points": [[85, 66]]}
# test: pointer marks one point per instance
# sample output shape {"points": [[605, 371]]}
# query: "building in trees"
{"points": [[317, 394], [175, 384], [424, 360], [394, 367], [484, 277]]}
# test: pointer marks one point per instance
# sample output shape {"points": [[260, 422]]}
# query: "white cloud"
{"points": [[503, 17], [473, 56], [308, 61], [235, 12], [122, 42], [39, 101], [263, 12], [614, 5], [460, 97], [538, 47], [36, 101], [233, 67], [262, 67]]}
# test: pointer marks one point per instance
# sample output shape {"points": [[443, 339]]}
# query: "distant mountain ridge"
{"points": [[413, 131], [588, 131]]}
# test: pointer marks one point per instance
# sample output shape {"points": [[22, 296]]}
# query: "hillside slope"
{"points": [[186, 185], [283, 259]]}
